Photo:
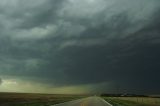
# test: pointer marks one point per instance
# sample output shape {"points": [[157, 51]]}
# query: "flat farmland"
{"points": [[133, 101], [28, 99]]}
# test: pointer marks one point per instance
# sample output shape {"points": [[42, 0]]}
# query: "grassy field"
{"points": [[133, 101], [24, 99], [28, 99]]}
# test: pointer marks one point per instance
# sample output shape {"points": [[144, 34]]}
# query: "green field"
{"points": [[26, 99], [133, 101]]}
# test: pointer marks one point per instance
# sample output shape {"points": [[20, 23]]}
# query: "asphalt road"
{"points": [[90, 101]]}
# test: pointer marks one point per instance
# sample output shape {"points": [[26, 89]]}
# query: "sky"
{"points": [[80, 46]]}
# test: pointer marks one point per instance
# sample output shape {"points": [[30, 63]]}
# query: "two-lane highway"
{"points": [[90, 101]]}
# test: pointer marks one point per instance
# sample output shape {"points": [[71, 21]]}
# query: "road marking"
{"points": [[106, 102], [84, 102]]}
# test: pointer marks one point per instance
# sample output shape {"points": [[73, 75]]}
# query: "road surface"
{"points": [[90, 101]]}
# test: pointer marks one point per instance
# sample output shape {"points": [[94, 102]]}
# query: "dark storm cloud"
{"points": [[72, 42]]}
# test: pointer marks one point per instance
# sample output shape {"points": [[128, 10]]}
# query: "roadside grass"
{"points": [[118, 101], [15, 99]]}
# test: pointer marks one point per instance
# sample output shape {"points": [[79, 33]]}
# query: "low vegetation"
{"points": [[133, 101], [19, 99]]}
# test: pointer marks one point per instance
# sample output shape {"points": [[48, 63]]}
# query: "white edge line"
{"points": [[79, 99], [107, 102]]}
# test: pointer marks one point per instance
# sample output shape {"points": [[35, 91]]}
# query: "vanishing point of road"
{"points": [[90, 101]]}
